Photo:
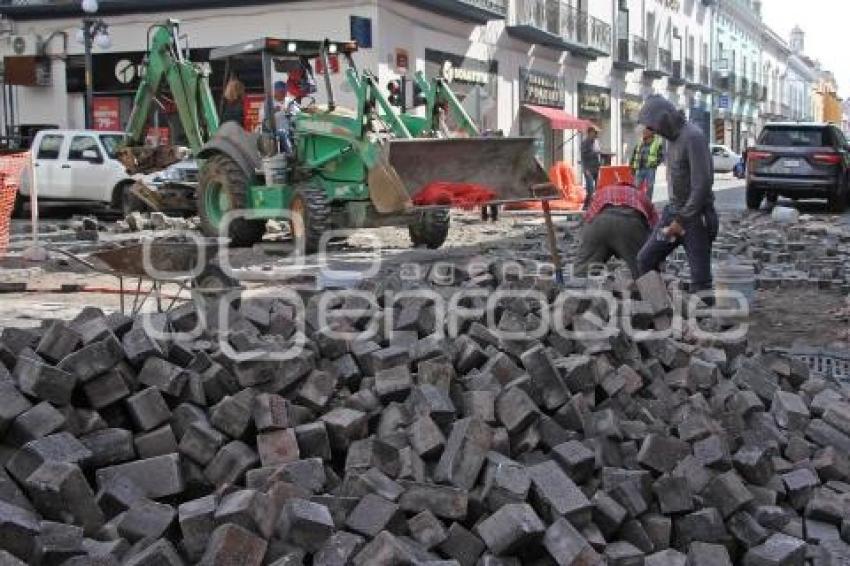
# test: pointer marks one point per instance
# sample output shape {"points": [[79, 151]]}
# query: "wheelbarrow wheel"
{"points": [[431, 229], [310, 217], [223, 187]]}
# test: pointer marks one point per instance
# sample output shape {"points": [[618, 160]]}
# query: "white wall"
{"points": [[315, 19]]}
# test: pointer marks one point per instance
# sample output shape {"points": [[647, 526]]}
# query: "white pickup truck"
{"points": [[76, 166]]}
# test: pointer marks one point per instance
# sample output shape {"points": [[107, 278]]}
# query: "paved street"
{"points": [[728, 190]]}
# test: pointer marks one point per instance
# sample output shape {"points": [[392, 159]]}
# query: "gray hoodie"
{"points": [[690, 172]]}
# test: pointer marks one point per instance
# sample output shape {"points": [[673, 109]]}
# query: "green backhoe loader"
{"points": [[328, 168]]}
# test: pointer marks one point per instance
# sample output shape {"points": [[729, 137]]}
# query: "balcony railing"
{"points": [[660, 63], [705, 76], [677, 77], [600, 36], [561, 26], [632, 53], [479, 11]]}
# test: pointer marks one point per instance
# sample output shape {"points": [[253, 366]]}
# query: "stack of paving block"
{"points": [[480, 441]]}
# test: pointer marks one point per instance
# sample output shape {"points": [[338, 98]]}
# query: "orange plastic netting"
{"points": [[460, 195], [562, 175], [11, 167]]}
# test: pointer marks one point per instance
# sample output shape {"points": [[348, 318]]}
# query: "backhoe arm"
{"points": [[188, 83], [438, 96]]}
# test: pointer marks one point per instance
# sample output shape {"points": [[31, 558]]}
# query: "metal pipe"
{"points": [[88, 37], [327, 71]]}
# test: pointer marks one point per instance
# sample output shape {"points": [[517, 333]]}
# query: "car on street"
{"points": [[724, 159], [76, 166], [799, 161], [82, 167]]}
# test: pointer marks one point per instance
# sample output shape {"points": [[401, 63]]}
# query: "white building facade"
{"points": [[595, 59]]}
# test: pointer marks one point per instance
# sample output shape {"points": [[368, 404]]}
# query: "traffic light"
{"points": [[395, 90]]}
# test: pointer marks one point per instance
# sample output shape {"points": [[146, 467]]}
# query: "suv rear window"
{"points": [[794, 136]]}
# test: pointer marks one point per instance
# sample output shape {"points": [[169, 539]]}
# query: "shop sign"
{"points": [[593, 100], [251, 105], [670, 4], [157, 136], [723, 101], [402, 60], [630, 109], [106, 111], [541, 88], [464, 73]]}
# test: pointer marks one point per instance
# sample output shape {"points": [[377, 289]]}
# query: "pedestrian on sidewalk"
{"points": [[690, 218], [590, 161], [617, 223], [646, 157]]}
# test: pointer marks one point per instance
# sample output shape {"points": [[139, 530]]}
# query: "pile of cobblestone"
{"points": [[520, 436]]}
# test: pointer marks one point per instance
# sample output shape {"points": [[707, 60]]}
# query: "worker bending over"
{"points": [[617, 223], [690, 218]]}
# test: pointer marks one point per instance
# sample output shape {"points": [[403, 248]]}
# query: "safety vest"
{"points": [[654, 157]]}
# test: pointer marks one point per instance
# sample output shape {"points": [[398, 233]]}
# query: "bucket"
{"points": [[275, 169], [735, 276]]}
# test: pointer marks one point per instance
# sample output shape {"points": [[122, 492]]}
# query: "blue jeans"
{"points": [[647, 175], [699, 235]]}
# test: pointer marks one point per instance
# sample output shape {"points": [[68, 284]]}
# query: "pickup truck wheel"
{"points": [[310, 218], [431, 229], [223, 187], [754, 198]]}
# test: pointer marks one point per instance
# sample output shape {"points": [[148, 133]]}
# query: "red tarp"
{"points": [[560, 120]]}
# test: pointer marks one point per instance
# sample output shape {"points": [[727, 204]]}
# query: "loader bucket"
{"points": [[506, 166]]}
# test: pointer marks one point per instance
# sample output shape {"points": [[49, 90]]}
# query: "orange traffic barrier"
{"points": [[11, 167], [614, 175], [563, 176]]}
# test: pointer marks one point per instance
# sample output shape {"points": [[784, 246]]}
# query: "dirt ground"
{"points": [[783, 316]]}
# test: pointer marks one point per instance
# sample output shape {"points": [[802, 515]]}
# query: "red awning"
{"points": [[559, 119]]}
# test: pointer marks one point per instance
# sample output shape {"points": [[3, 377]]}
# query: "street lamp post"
{"points": [[94, 32]]}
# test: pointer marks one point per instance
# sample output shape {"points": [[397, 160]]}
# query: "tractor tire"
{"points": [[222, 187], [754, 198], [310, 218], [430, 230]]}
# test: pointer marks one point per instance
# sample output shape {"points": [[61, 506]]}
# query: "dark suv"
{"points": [[799, 160]]}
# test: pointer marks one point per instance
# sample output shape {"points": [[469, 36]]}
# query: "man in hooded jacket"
{"points": [[690, 218]]}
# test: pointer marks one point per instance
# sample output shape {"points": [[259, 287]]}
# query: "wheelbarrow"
{"points": [[188, 263]]}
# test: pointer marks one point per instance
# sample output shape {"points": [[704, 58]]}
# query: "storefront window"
{"points": [[538, 128]]}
